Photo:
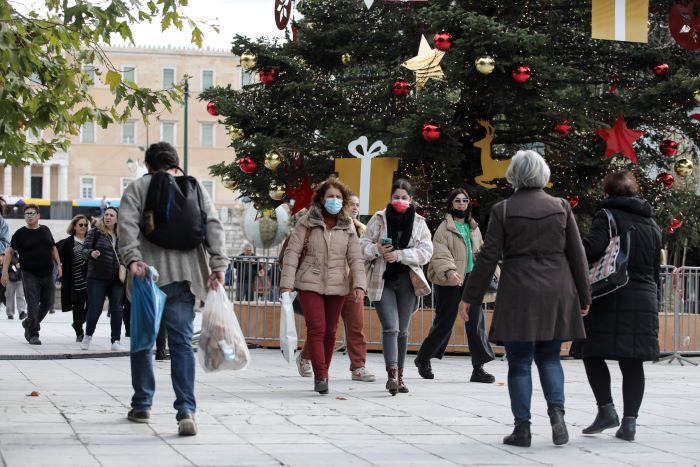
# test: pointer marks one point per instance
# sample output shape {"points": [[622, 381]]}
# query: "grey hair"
{"points": [[528, 170]]}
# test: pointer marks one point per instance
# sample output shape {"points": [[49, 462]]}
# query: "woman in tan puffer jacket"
{"points": [[315, 260], [455, 245]]}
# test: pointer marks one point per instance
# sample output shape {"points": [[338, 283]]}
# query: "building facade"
{"points": [[102, 162]]}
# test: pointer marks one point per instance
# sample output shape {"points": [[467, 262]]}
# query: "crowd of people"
{"points": [[532, 249]]}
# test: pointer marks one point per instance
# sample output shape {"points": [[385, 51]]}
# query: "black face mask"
{"points": [[458, 213]]}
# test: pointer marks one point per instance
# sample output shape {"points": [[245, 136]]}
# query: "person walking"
{"points": [[185, 276], [623, 325], [245, 266], [41, 267], [456, 243], [4, 243], [542, 293], [14, 292], [320, 246], [74, 285], [353, 313], [396, 246], [100, 250]]}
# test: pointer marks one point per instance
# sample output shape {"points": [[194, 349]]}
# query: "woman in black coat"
{"points": [[73, 285], [623, 325]]}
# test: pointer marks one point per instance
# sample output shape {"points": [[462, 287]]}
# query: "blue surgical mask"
{"points": [[333, 205]]}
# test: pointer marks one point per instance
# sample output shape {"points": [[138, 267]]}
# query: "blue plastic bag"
{"points": [[147, 302]]}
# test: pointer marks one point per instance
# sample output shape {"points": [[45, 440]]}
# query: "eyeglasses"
{"points": [[461, 200], [30, 213], [82, 225]]}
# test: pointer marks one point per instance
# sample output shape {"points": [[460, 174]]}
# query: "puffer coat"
{"points": [[625, 323], [323, 268], [450, 250], [106, 266]]}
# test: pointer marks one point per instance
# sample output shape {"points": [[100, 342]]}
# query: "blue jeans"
{"points": [[97, 291], [178, 316], [546, 356]]}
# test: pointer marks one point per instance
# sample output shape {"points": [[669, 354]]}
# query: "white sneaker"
{"points": [[304, 367], [117, 346], [362, 374], [85, 344]]}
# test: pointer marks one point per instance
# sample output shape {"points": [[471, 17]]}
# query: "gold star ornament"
{"points": [[426, 64]]}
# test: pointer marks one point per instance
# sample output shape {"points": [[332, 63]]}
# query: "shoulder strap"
{"points": [[95, 233], [505, 202], [612, 226]]}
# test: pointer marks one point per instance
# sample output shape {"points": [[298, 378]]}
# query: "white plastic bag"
{"points": [[288, 330], [221, 342]]}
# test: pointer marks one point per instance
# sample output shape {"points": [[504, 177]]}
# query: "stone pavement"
{"points": [[268, 415]]}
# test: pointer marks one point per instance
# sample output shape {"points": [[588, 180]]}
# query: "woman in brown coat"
{"points": [[315, 260], [542, 293]]}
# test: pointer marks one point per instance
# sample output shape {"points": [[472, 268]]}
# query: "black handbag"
{"points": [[609, 273]]}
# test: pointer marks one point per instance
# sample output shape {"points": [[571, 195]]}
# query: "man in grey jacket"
{"points": [[185, 276]]}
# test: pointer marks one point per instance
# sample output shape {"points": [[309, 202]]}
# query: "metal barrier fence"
{"points": [[253, 286]]}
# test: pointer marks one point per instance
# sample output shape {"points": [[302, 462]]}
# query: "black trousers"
{"points": [[39, 292], [162, 336], [632, 382], [446, 299], [79, 301], [126, 315]]}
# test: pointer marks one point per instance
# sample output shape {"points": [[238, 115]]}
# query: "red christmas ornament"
{"points": [[669, 230], [696, 117], [401, 88], [668, 147], [660, 70], [676, 223], [211, 109], [620, 139], [666, 179], [268, 76], [431, 131], [563, 127], [247, 164], [443, 41], [522, 74], [684, 23], [301, 195], [573, 200], [615, 82]]}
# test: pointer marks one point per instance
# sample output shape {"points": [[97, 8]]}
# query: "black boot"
{"points": [[520, 437], [628, 428], [403, 389], [559, 433], [606, 418], [480, 376], [424, 368], [392, 381]]}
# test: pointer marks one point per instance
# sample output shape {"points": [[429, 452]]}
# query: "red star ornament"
{"points": [[620, 139], [301, 195]]}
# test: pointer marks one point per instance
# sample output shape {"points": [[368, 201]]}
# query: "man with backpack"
{"points": [[170, 222]]}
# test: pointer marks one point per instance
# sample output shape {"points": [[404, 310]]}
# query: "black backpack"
{"points": [[174, 216]]}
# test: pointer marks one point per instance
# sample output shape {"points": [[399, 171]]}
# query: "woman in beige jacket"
{"points": [[455, 245], [315, 265]]}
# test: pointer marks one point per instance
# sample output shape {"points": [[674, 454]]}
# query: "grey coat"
{"points": [[544, 277]]}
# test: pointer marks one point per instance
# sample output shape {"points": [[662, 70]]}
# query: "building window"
{"points": [[87, 133], [247, 77], [125, 181], [167, 132], [168, 78], [208, 186], [129, 132], [129, 73], [206, 134], [89, 70], [207, 79], [87, 187]]}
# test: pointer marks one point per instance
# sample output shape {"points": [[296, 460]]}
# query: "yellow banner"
{"points": [[383, 169], [620, 20]]}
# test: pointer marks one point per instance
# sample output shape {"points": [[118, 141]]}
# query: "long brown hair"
{"points": [[332, 182], [71, 227]]}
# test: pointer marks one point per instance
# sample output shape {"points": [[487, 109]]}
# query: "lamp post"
{"points": [[187, 95]]}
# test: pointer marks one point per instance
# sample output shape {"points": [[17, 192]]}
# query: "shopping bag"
{"points": [[147, 302], [221, 342], [288, 330]]}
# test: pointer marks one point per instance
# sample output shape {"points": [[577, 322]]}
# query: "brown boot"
{"points": [[402, 386], [392, 384]]}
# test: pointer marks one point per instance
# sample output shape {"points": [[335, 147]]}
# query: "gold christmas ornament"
{"points": [[236, 134], [426, 64], [346, 58], [696, 96], [277, 193], [485, 65], [683, 167], [248, 60], [272, 160], [229, 184]]}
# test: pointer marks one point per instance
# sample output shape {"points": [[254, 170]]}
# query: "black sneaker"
{"points": [[26, 330], [480, 376], [10, 316], [424, 368], [139, 416], [23, 315], [162, 355], [34, 340], [186, 426], [79, 338]]}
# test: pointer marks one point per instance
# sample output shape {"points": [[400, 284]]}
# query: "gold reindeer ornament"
{"points": [[491, 168]]}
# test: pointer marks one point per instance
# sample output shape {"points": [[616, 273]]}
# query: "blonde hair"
{"points": [[101, 222]]}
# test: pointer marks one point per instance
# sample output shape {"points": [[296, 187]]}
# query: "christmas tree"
{"points": [[491, 78]]}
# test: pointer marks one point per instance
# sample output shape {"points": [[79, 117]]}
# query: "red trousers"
{"points": [[321, 313]]}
